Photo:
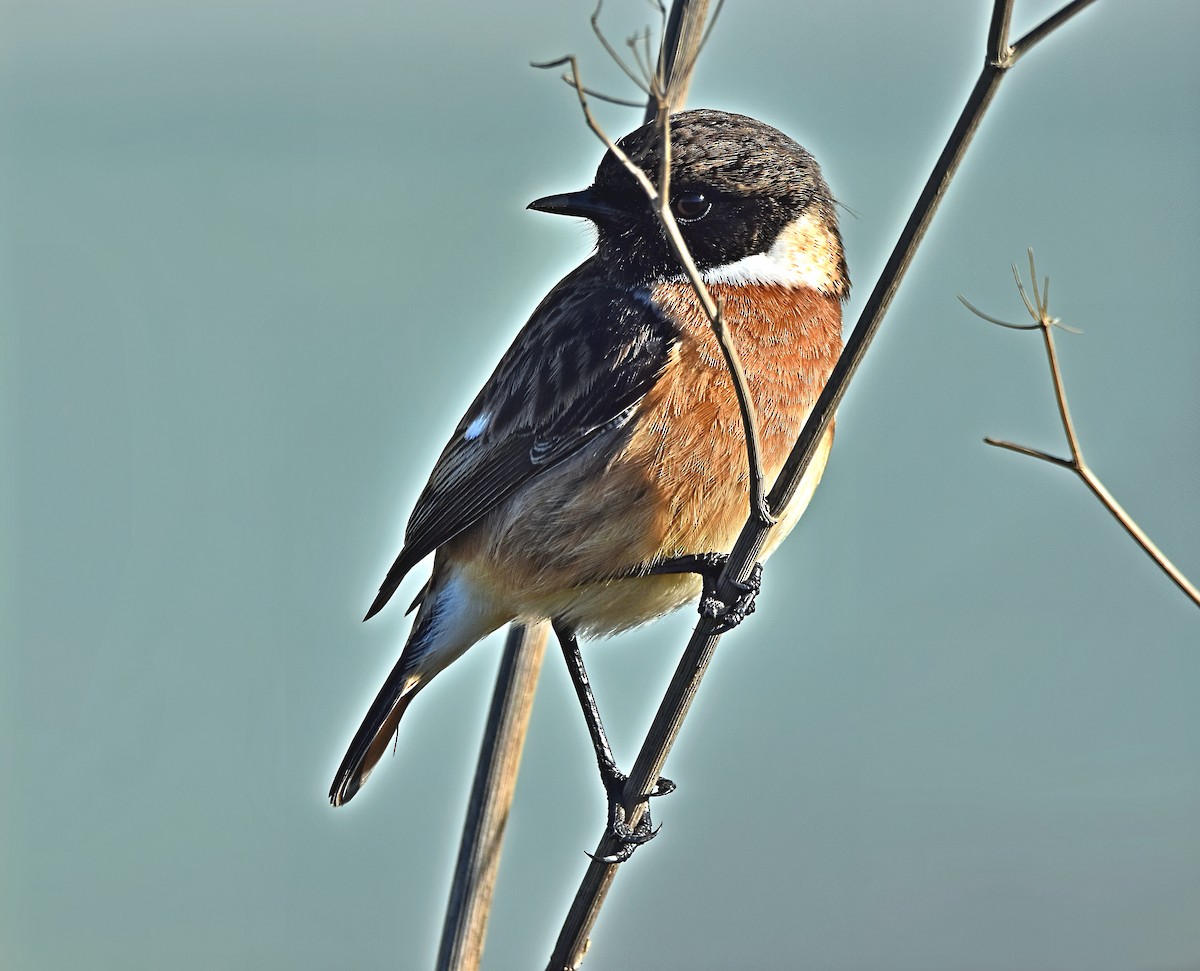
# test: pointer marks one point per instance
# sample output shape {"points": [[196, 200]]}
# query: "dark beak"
{"points": [[587, 203]]}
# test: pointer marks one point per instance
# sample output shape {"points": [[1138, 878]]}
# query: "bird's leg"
{"points": [[725, 614], [613, 778]]}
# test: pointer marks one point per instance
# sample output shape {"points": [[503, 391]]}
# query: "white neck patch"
{"points": [[805, 254]]}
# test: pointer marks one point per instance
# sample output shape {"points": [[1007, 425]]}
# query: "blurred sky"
{"points": [[257, 256]]}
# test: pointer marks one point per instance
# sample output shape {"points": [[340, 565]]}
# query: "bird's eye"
{"points": [[687, 207]]}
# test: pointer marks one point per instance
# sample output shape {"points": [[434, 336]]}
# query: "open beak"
{"points": [[587, 203]]}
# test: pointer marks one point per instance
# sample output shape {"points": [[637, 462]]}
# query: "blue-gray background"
{"points": [[257, 257]]}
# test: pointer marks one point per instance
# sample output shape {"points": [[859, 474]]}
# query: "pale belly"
{"points": [[567, 550], [605, 608]]}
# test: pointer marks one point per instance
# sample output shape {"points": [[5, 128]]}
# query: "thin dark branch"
{"points": [[997, 38], [893, 272], [1047, 27], [581, 92], [993, 320], [470, 901], [1039, 309], [598, 95], [1032, 452], [760, 508], [639, 44], [673, 710]]}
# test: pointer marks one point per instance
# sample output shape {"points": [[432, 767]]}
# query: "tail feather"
{"points": [[404, 562], [452, 617], [375, 733]]}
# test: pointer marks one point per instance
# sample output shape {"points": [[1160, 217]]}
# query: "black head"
{"points": [[736, 186]]}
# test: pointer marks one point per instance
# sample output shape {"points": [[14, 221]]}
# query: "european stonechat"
{"points": [[603, 465]]}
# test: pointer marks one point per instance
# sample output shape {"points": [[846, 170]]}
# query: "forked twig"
{"points": [[634, 76], [1039, 309], [611, 99]]}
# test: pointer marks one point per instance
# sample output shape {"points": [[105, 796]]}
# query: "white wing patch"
{"points": [[477, 427]]}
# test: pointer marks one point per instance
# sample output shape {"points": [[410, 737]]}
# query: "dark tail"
{"points": [[446, 625], [373, 735], [404, 562]]}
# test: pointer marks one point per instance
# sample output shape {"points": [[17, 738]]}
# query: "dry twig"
{"points": [[1039, 310], [465, 924]]}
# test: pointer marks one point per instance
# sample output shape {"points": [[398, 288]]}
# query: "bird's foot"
{"points": [[727, 614], [724, 614], [619, 829]]}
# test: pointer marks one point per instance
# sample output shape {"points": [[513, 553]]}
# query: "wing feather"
{"points": [[590, 352]]}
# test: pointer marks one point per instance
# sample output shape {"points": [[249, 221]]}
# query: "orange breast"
{"points": [[690, 441], [677, 481]]}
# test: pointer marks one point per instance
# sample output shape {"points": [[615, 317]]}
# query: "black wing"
{"points": [[590, 352]]}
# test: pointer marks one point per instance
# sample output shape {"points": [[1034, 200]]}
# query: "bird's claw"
{"points": [[618, 826], [725, 615]]}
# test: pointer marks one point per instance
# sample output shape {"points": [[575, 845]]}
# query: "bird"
{"points": [[599, 478]]}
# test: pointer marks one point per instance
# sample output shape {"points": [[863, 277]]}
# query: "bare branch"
{"points": [[684, 684], [993, 72], [1032, 452], [993, 320], [1039, 310], [465, 924], [599, 95], [1046, 27], [639, 46]]}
